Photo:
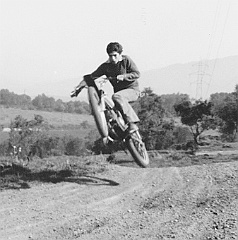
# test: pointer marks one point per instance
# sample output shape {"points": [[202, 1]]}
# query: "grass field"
{"points": [[56, 119], [80, 133]]}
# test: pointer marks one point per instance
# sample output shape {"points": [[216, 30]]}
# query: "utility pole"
{"points": [[200, 74]]}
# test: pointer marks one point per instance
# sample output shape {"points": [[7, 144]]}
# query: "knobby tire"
{"points": [[137, 149], [97, 111]]}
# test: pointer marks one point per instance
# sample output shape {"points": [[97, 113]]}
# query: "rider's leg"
{"points": [[121, 100]]}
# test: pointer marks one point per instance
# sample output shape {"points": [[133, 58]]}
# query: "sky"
{"points": [[45, 43]]}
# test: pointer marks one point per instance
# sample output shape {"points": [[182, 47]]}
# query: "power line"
{"points": [[214, 29], [219, 46], [200, 74]]}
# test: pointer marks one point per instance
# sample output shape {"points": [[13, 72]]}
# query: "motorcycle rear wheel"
{"points": [[98, 112], [137, 149]]}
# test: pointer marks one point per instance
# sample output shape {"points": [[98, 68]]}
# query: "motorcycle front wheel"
{"points": [[98, 111], [137, 149]]}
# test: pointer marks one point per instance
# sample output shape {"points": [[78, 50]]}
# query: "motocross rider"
{"points": [[123, 75]]}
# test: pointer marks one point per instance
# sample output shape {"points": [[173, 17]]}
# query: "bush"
{"points": [[75, 146], [4, 148], [33, 138], [182, 135], [164, 139]]}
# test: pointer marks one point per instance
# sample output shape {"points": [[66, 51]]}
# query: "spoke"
{"points": [[140, 146]]}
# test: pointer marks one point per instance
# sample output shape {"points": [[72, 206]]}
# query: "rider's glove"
{"points": [[120, 77], [74, 93], [78, 89]]}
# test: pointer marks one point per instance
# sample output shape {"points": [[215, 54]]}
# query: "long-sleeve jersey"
{"points": [[125, 67]]}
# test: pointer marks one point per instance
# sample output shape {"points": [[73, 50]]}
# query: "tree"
{"points": [[60, 106], [24, 101], [70, 107], [42, 102], [11, 99], [38, 102], [81, 107], [147, 91], [225, 107], [197, 116], [154, 129], [169, 100]]}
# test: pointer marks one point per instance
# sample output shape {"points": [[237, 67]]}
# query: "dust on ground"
{"points": [[179, 197]]}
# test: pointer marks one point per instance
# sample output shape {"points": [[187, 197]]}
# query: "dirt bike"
{"points": [[111, 124]]}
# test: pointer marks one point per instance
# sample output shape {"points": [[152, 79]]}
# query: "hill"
{"points": [[220, 75]]}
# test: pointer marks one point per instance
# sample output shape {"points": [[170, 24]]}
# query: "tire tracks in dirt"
{"points": [[195, 202]]}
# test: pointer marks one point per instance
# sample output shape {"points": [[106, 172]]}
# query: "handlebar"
{"points": [[101, 81]]}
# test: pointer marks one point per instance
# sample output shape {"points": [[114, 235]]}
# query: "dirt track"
{"points": [[193, 202]]}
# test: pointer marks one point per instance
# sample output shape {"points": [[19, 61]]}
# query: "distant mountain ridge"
{"points": [[194, 78], [219, 75]]}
